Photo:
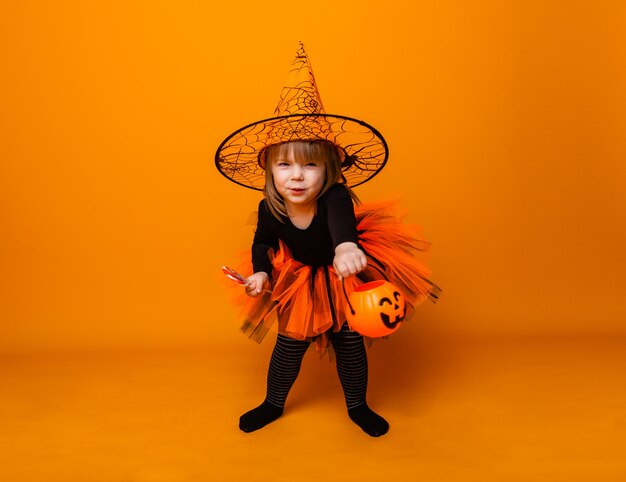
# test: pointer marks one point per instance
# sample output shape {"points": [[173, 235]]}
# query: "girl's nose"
{"points": [[296, 172]]}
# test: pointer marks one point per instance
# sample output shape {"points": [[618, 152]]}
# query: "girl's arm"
{"points": [[349, 258], [264, 239]]}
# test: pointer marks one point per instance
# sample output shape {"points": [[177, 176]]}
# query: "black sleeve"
{"points": [[341, 219], [264, 239]]}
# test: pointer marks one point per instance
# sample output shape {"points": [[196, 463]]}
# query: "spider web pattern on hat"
{"points": [[300, 116]]}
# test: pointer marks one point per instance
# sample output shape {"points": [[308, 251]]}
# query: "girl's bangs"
{"points": [[303, 151]]}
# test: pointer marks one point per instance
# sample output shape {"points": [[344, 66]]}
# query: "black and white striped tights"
{"points": [[284, 368]]}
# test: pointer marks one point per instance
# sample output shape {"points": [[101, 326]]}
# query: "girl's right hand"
{"points": [[257, 283]]}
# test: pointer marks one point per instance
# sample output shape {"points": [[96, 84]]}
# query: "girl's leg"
{"points": [[352, 369], [283, 371]]}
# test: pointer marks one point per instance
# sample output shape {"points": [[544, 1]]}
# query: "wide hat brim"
{"points": [[363, 149]]}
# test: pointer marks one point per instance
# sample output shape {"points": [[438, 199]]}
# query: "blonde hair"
{"points": [[303, 151]]}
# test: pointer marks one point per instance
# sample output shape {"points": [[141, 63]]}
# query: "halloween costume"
{"points": [[307, 300]]}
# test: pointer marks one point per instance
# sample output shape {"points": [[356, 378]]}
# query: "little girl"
{"points": [[311, 243]]}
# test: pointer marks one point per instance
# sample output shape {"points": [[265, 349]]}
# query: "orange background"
{"points": [[505, 123], [120, 358]]}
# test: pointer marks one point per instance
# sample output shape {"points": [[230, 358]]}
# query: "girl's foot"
{"points": [[370, 422], [259, 417]]}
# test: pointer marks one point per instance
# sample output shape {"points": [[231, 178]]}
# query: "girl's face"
{"points": [[298, 182]]}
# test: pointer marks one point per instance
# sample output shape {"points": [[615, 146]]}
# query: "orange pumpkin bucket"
{"points": [[377, 309]]}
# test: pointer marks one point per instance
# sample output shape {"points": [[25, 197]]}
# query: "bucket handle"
{"points": [[343, 285]]}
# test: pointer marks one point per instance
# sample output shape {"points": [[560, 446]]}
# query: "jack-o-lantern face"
{"points": [[378, 309], [392, 312]]}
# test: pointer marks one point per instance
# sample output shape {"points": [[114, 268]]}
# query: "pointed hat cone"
{"points": [[300, 94], [300, 116]]}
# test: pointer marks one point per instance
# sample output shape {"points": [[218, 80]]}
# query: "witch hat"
{"points": [[300, 116]]}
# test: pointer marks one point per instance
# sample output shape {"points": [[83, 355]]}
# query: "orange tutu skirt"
{"points": [[309, 303]]}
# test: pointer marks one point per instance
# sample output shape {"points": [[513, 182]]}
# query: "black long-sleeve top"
{"points": [[333, 224]]}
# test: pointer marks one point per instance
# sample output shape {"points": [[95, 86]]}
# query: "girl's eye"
{"points": [[311, 164]]}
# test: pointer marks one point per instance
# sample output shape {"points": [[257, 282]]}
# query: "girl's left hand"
{"points": [[349, 260]]}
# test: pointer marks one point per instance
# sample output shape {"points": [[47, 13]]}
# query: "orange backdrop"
{"points": [[505, 122]]}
